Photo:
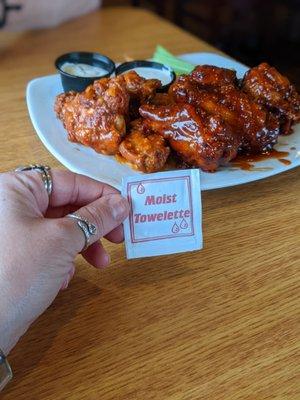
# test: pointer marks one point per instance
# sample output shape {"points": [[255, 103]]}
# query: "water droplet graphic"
{"points": [[183, 224], [175, 228], [140, 189]]}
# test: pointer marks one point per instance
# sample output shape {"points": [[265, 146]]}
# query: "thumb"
{"points": [[105, 213]]}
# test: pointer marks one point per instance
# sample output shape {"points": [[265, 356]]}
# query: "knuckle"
{"points": [[29, 180], [7, 179]]}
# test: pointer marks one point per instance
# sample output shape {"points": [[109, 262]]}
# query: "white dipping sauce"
{"points": [[153, 73], [83, 70]]}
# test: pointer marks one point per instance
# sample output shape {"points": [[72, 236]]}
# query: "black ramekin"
{"points": [[79, 83], [129, 65]]}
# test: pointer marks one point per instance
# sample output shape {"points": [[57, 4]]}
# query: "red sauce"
{"points": [[284, 161], [245, 162]]}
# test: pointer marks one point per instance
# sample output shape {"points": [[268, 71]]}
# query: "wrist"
{"points": [[8, 334], [11, 327], [14, 289]]}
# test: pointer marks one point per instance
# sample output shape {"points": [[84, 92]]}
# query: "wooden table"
{"points": [[222, 323]]}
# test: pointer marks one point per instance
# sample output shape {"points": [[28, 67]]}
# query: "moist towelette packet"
{"points": [[165, 213]]}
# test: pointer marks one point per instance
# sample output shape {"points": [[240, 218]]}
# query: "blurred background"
{"points": [[251, 31]]}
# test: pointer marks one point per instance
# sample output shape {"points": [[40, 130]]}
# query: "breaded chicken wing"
{"points": [[144, 150], [97, 117]]}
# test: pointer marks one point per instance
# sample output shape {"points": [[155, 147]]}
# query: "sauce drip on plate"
{"points": [[284, 161], [245, 162]]}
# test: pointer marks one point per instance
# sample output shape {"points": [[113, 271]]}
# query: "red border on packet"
{"points": [[129, 187]]}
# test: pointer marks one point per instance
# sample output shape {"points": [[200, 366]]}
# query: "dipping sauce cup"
{"points": [[80, 69], [149, 70]]}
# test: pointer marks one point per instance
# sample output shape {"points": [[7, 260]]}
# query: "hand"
{"points": [[44, 13], [39, 244]]}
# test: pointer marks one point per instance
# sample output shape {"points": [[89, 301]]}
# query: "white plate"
{"points": [[41, 94]]}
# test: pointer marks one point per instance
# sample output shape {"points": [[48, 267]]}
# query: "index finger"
{"points": [[75, 189]]}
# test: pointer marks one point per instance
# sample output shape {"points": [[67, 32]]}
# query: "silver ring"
{"points": [[44, 170], [87, 228]]}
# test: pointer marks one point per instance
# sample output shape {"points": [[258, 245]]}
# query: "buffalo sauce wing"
{"points": [[97, 116], [144, 150], [257, 129], [201, 140], [267, 87]]}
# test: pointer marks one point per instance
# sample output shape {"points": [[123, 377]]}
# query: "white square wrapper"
{"points": [[165, 213]]}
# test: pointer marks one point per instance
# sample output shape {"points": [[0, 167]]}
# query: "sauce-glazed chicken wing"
{"points": [[97, 117], [140, 88], [200, 140], [162, 99], [268, 87], [144, 150], [209, 75], [140, 91], [257, 128]]}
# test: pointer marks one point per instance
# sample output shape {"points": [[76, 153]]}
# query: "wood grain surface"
{"points": [[222, 323]]}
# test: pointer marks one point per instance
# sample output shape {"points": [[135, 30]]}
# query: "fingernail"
{"points": [[105, 262], [119, 207]]}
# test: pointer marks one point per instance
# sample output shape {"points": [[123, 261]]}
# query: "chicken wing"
{"points": [[97, 117], [144, 150], [209, 75], [200, 140], [268, 87], [140, 90], [257, 128], [162, 99]]}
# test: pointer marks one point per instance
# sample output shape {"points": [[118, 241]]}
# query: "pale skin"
{"points": [[36, 14], [39, 243]]}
